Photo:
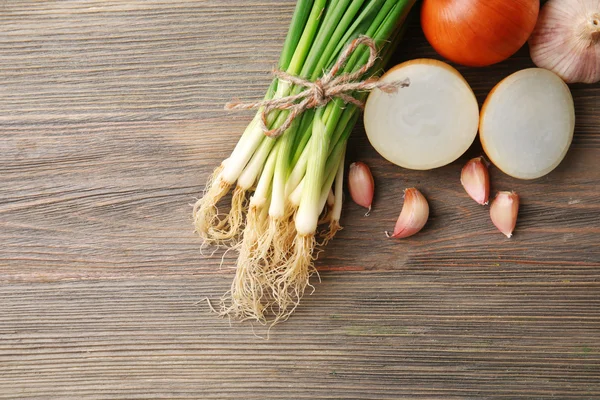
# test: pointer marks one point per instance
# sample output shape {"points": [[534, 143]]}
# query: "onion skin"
{"points": [[478, 33]]}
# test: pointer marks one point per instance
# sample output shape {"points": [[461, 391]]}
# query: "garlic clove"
{"points": [[361, 184], [476, 180], [566, 40], [413, 216], [504, 211]]}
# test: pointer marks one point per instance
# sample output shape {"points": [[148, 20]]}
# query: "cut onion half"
{"points": [[426, 125], [527, 123]]}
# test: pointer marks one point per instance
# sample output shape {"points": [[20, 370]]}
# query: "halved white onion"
{"points": [[527, 123], [426, 125]]}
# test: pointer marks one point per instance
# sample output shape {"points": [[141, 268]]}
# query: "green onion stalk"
{"points": [[281, 185]]}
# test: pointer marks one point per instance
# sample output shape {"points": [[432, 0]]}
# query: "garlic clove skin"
{"points": [[414, 215], [361, 185], [566, 40], [475, 178], [504, 211]]}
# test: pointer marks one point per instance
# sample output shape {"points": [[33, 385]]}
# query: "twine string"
{"points": [[322, 91]]}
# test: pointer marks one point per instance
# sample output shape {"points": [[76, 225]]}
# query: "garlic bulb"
{"points": [[566, 40]]}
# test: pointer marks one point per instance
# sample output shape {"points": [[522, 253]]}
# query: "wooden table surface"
{"points": [[110, 122]]}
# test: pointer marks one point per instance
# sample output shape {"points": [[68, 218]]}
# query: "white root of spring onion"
{"points": [[336, 210], [253, 169], [243, 166], [243, 151], [296, 194], [297, 174], [207, 223], [330, 198], [245, 298], [261, 194], [527, 123], [426, 125]]}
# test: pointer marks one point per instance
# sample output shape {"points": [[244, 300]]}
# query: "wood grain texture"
{"points": [[384, 335], [110, 122]]}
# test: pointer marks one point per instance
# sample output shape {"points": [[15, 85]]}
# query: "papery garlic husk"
{"points": [[413, 216], [504, 211], [361, 184], [566, 40], [475, 178]]}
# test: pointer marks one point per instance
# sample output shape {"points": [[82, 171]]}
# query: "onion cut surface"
{"points": [[527, 123], [426, 125]]}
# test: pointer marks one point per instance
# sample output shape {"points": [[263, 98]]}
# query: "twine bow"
{"points": [[323, 90]]}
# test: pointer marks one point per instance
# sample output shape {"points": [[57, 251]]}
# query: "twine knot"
{"points": [[322, 91], [319, 93]]}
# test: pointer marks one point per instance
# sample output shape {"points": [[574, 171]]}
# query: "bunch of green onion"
{"points": [[281, 186]]}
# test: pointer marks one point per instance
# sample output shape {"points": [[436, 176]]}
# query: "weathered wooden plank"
{"points": [[111, 122], [142, 60], [94, 199], [359, 336]]}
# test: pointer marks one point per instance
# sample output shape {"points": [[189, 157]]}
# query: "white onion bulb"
{"points": [[527, 123], [426, 125]]}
